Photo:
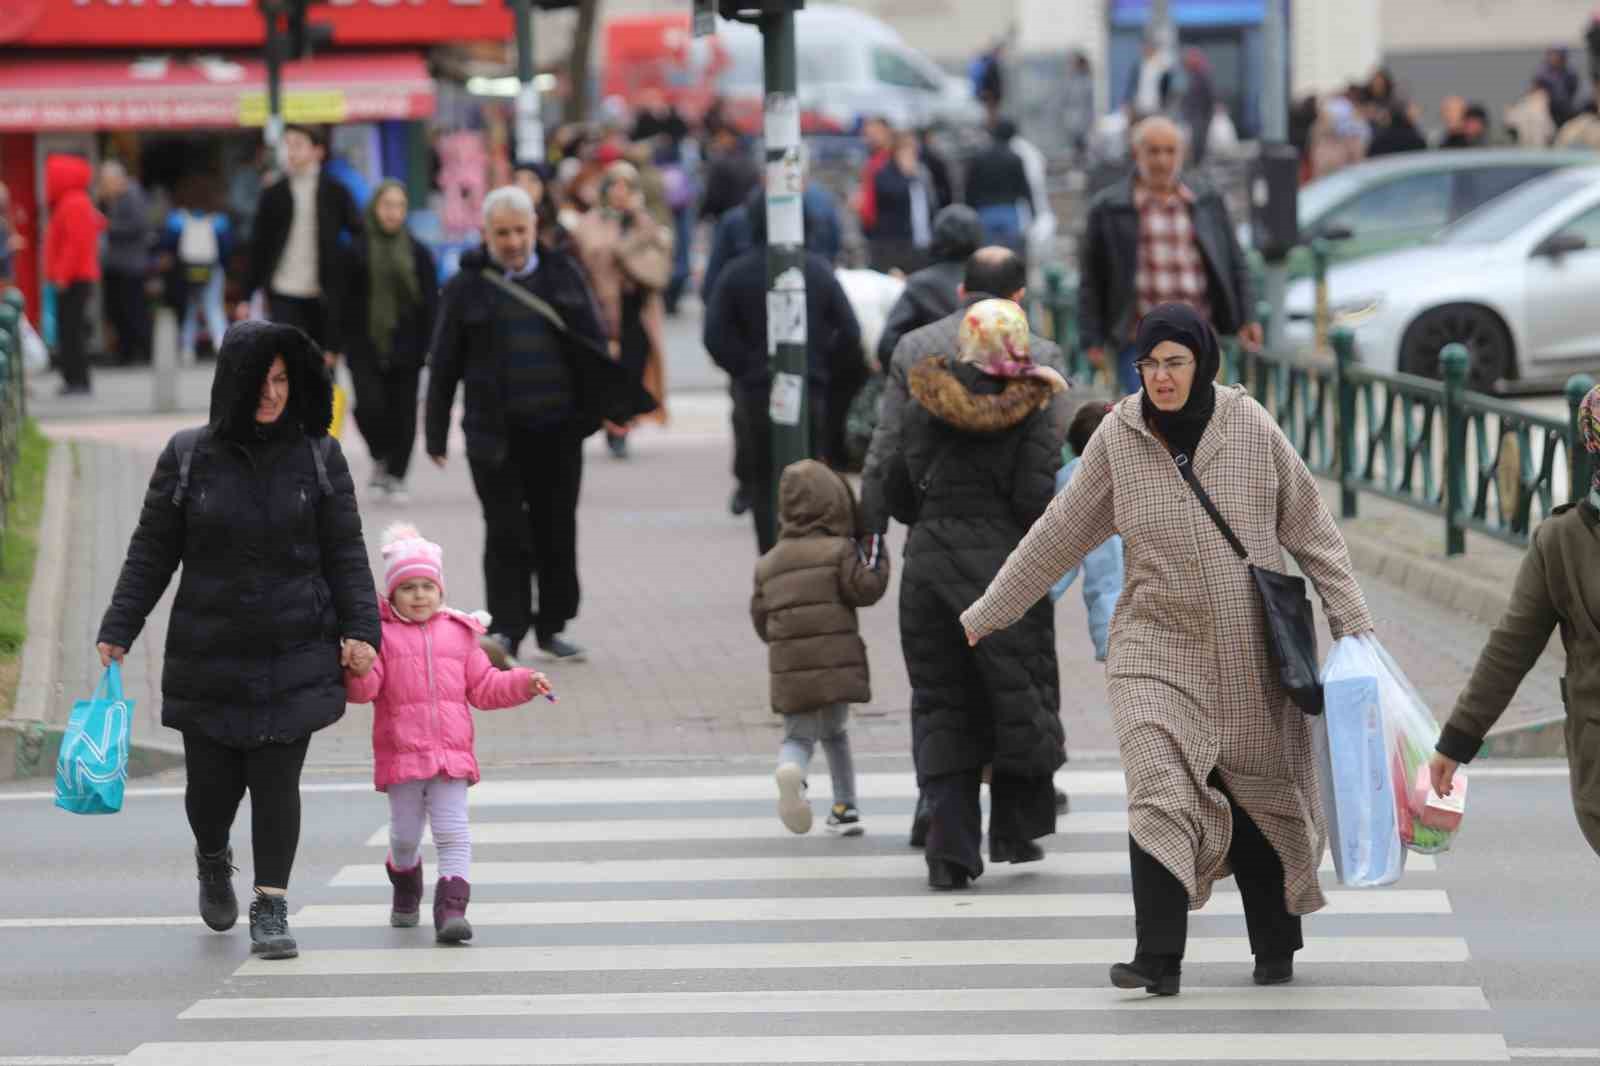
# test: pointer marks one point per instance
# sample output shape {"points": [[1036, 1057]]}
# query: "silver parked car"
{"points": [[1517, 281]]}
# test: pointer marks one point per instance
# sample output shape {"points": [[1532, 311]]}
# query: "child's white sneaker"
{"points": [[793, 808]]}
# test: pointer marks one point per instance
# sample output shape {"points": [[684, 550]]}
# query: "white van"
{"points": [[851, 66]]}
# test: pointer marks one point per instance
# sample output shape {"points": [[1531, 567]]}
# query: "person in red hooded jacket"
{"points": [[72, 262]]}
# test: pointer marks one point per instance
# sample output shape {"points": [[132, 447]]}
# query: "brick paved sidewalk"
{"points": [[675, 669]]}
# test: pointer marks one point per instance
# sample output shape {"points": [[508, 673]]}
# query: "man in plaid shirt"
{"points": [[1155, 239]]}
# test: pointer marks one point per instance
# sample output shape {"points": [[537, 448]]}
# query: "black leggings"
{"points": [[1161, 903], [386, 411], [218, 776]]}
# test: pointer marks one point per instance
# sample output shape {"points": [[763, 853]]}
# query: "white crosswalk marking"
{"points": [[640, 960]]}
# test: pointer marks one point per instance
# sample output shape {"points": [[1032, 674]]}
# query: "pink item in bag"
{"points": [[1433, 810]]}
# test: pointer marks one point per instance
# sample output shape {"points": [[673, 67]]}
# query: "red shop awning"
{"points": [[144, 92]]}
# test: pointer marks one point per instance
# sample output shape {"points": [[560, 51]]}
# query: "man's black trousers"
{"points": [[530, 517]]}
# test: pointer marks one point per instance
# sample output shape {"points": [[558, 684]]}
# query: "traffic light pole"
{"points": [[530, 125], [786, 278], [273, 131]]}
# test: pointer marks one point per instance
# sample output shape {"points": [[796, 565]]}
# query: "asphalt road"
{"points": [[651, 913]]}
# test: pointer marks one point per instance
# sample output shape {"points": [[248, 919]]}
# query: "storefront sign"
{"points": [[328, 106], [237, 23]]}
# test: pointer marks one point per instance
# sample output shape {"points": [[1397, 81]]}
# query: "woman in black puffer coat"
{"points": [[977, 464], [275, 601]]}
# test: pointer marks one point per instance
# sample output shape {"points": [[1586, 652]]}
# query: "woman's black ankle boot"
{"points": [[1156, 974]]}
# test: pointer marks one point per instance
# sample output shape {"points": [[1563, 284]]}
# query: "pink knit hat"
{"points": [[407, 557]]}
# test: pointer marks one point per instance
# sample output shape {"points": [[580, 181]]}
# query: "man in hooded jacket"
{"points": [[736, 337], [72, 262]]}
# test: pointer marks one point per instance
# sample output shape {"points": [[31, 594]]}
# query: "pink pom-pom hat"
{"points": [[407, 556]]}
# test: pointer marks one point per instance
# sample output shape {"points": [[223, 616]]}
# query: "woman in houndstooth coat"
{"points": [[1221, 777]]}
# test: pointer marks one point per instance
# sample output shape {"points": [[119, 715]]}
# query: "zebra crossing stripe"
{"points": [[847, 1001], [632, 831], [822, 1048], [775, 868], [826, 955], [558, 791], [852, 908]]}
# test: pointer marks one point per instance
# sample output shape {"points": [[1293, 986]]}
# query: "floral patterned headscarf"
{"points": [[1589, 427], [995, 338]]}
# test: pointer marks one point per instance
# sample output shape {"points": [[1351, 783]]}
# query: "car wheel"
{"points": [[1486, 339]]}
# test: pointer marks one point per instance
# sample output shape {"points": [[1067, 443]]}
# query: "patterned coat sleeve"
{"points": [[1075, 522], [1308, 531]]}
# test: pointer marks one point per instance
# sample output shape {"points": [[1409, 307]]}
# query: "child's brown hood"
{"points": [[813, 499]]}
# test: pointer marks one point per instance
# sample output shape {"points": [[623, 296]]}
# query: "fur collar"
{"points": [[937, 389]]}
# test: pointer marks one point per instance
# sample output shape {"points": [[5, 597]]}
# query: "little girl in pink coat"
{"points": [[429, 675]]}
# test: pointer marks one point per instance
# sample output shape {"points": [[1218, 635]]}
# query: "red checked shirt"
{"points": [[1171, 268]]}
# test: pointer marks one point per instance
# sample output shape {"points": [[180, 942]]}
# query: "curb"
{"points": [[1443, 585], [31, 737]]}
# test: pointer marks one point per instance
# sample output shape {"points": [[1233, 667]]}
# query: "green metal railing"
{"points": [[1478, 462], [13, 403]]}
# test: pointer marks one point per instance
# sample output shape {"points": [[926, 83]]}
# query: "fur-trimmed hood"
{"points": [[246, 354], [948, 395]]}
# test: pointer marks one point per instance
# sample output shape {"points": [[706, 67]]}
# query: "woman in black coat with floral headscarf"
{"points": [[275, 601]]}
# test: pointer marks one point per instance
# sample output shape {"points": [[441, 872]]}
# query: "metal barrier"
{"points": [[13, 401]]}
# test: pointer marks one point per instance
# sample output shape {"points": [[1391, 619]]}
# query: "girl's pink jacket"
{"points": [[421, 687]]}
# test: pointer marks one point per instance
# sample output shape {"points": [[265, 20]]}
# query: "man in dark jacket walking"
{"points": [[126, 261], [296, 247], [524, 420], [997, 186], [934, 291], [1154, 239], [736, 337]]}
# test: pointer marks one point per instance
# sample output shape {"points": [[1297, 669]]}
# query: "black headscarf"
{"points": [[1183, 428]]}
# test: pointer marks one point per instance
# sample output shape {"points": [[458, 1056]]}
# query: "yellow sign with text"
{"points": [[315, 107]]}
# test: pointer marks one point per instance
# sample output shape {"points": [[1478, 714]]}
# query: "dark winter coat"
{"points": [[996, 177], [1108, 301], [975, 468], [338, 220], [466, 349], [275, 572], [1558, 585], [933, 292], [414, 330], [807, 590], [735, 331]]}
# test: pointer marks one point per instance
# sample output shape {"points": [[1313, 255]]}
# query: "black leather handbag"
{"points": [[1291, 629]]}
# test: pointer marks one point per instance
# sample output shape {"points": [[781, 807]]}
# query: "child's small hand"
{"points": [[539, 685]]}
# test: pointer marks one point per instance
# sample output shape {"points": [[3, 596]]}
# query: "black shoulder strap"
{"points": [[1211, 508], [319, 452], [542, 308], [185, 441]]}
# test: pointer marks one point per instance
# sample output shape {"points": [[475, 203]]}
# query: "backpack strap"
{"points": [[319, 455], [185, 441]]}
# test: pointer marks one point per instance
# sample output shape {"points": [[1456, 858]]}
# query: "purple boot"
{"points": [[450, 898], [405, 912]]}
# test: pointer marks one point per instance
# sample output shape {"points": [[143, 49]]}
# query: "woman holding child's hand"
{"points": [[274, 602]]}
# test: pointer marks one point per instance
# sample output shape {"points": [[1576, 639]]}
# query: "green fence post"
{"points": [[1579, 465], [1344, 419], [1455, 360]]}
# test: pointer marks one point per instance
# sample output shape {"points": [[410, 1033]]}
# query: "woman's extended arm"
{"points": [[1074, 523]]}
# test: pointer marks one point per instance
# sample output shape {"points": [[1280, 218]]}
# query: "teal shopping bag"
{"points": [[93, 764]]}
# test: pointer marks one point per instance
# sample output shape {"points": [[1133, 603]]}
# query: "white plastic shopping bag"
{"points": [[1373, 743]]}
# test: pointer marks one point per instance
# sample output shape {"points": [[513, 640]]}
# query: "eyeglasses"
{"points": [[1156, 366]]}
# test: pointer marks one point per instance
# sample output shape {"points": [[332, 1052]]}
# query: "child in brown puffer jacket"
{"points": [[807, 590]]}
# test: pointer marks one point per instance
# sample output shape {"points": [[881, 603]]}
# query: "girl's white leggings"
{"points": [[442, 803]]}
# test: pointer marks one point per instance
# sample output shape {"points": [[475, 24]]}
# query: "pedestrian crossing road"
{"points": [[673, 920]]}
